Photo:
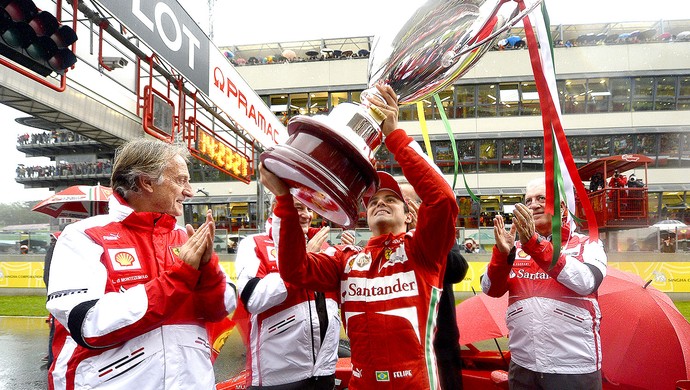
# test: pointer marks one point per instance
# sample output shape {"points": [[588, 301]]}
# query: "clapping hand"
{"points": [[316, 242], [524, 220], [199, 247], [505, 240]]}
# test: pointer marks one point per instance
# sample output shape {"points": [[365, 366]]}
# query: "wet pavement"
{"points": [[24, 342]]}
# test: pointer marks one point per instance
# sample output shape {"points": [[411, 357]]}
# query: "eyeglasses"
{"points": [[541, 199]]}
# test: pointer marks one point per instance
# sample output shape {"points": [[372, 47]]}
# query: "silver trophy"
{"points": [[328, 160]]}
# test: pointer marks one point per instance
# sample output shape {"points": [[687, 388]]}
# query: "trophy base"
{"points": [[330, 179]]}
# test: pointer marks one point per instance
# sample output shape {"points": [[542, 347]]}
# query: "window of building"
{"points": [[490, 207], [488, 156], [467, 155], [598, 95], [337, 98], [299, 103], [318, 103], [465, 101], [443, 156], [408, 112], [685, 150], [601, 146], [279, 105], [529, 99], [643, 94], [683, 93], [510, 155], [665, 98], [575, 96], [579, 148], [669, 149], [532, 159], [623, 144], [383, 158], [486, 100], [509, 99], [429, 106], [646, 144], [447, 101], [620, 94]]}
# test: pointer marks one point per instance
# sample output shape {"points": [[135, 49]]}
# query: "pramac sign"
{"points": [[172, 34]]}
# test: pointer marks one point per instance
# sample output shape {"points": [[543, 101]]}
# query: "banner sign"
{"points": [[669, 277], [172, 34], [212, 149]]}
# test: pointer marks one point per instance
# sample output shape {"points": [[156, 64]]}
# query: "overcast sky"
{"points": [[258, 21]]}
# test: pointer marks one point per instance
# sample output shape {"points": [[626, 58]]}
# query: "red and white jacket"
{"points": [[284, 332], [553, 315], [390, 289], [130, 314]]}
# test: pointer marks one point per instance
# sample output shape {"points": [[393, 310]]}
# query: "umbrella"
{"points": [[645, 339], [481, 317], [289, 54], [513, 39], [76, 202]]}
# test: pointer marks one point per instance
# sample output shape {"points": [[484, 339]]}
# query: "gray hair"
{"points": [[539, 181], [142, 158]]}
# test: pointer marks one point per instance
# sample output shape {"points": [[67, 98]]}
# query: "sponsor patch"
{"points": [[359, 262], [392, 258], [112, 237], [403, 284], [524, 274], [124, 259], [356, 372], [272, 253], [382, 376]]}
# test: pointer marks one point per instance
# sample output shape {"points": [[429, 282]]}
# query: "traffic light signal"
{"points": [[35, 39]]}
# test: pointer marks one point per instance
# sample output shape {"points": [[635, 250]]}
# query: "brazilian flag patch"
{"points": [[382, 376]]}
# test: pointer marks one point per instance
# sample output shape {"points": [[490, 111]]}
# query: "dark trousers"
{"points": [[520, 378], [51, 334], [314, 383]]}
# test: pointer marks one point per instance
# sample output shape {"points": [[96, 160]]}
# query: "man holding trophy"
{"points": [[390, 288]]}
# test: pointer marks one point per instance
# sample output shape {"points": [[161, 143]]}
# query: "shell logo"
{"points": [[124, 259]]}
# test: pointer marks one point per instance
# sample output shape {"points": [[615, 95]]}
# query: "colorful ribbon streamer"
{"points": [[557, 153]]}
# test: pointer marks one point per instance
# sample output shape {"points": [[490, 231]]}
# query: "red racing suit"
{"points": [[285, 343], [553, 315], [130, 314], [390, 289]]}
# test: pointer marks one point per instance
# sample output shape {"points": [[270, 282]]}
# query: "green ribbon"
{"points": [[446, 124]]}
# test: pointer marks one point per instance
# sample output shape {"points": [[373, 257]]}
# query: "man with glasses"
{"points": [[131, 291], [553, 315]]}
